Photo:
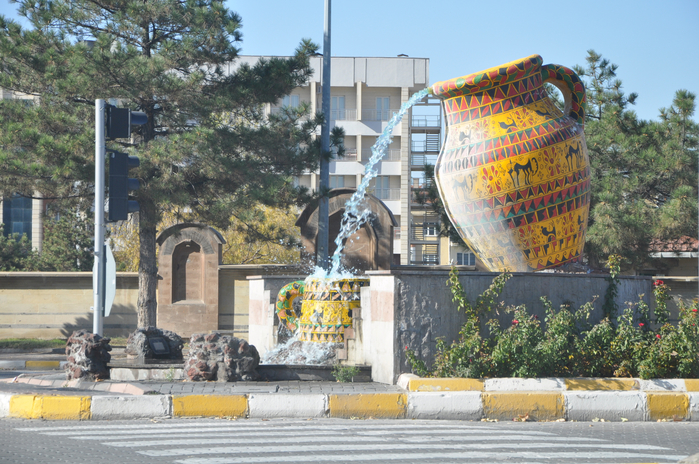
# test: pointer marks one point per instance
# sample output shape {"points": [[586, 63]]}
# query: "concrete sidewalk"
{"points": [[50, 396]]}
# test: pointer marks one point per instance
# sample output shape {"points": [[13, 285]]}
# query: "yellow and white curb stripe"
{"points": [[457, 405], [33, 365], [552, 399], [459, 399]]}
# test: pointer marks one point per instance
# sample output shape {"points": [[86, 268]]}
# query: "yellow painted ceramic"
{"points": [[327, 308], [513, 172]]}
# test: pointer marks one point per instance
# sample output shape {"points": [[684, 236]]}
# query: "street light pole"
{"points": [[323, 211], [98, 270]]}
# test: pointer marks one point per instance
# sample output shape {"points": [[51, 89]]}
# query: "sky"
{"points": [[655, 44]]}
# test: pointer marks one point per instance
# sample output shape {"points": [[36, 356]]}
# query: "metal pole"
{"points": [[100, 258], [323, 212]]}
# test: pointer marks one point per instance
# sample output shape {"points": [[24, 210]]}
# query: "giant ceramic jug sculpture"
{"points": [[513, 171]]}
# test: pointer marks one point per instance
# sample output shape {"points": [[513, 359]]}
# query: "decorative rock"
{"points": [[221, 357], [137, 345], [88, 355]]}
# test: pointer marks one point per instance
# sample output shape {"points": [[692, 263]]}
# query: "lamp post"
{"points": [[323, 211]]}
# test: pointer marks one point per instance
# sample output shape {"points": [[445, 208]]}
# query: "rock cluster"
{"points": [[221, 357], [137, 345], [88, 355]]}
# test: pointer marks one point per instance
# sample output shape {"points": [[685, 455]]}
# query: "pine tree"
{"points": [[207, 144], [644, 173]]}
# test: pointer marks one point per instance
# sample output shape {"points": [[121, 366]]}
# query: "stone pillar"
{"points": [[188, 279]]}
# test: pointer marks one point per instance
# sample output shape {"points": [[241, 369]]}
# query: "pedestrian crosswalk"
{"points": [[204, 441]]}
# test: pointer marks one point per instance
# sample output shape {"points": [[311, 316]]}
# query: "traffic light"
{"points": [[120, 120], [119, 185]]}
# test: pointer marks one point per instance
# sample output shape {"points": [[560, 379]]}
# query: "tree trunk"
{"points": [[147, 267]]}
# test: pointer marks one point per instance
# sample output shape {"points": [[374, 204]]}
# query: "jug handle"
{"points": [[571, 87]]}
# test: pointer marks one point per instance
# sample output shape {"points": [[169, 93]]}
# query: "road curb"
{"points": [[632, 406], [33, 364]]}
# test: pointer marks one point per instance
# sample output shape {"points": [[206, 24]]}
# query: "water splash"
{"points": [[297, 352], [356, 212]]}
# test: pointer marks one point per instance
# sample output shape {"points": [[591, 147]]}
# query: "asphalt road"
{"points": [[207, 441]]}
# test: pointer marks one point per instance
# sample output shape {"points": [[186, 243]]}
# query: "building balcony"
{"points": [[431, 145], [390, 155], [343, 115], [426, 121], [386, 194], [420, 160], [377, 115], [350, 155]]}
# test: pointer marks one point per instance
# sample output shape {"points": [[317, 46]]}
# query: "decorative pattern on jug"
{"points": [[285, 304], [327, 308], [513, 172]]}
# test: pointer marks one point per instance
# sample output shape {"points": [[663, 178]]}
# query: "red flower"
{"points": [[641, 324], [515, 321], [657, 336], [406, 347], [694, 310], [658, 282]]}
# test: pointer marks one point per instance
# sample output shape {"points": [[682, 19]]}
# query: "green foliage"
{"points": [[674, 351], [485, 302], [67, 245], [661, 294], [568, 346], [31, 343], [515, 352], [344, 373], [15, 252], [609, 306]]}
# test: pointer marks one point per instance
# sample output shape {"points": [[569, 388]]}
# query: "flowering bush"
{"points": [[569, 346]]}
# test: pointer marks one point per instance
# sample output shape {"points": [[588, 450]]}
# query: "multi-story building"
{"points": [[365, 93], [19, 214]]}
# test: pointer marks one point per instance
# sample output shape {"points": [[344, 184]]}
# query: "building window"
{"points": [[381, 187], [431, 229], [337, 108], [17, 216], [383, 109], [465, 259], [290, 101], [337, 182]]}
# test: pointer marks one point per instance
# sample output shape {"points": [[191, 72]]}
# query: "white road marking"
{"points": [[354, 447], [330, 438], [458, 457]]}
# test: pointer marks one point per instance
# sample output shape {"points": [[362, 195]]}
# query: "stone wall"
{"points": [[416, 308], [55, 304]]}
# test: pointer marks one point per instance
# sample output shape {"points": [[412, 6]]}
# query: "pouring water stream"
{"points": [[355, 216]]}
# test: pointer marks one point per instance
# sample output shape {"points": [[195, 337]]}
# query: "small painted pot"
{"points": [[327, 307], [514, 173]]}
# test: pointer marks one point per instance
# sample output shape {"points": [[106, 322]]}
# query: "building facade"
{"points": [[19, 214], [365, 93]]}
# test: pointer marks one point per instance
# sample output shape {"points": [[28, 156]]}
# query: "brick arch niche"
{"points": [[188, 263], [370, 248]]}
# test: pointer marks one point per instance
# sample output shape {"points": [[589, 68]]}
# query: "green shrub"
{"points": [[344, 373], [568, 346], [674, 351]]}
